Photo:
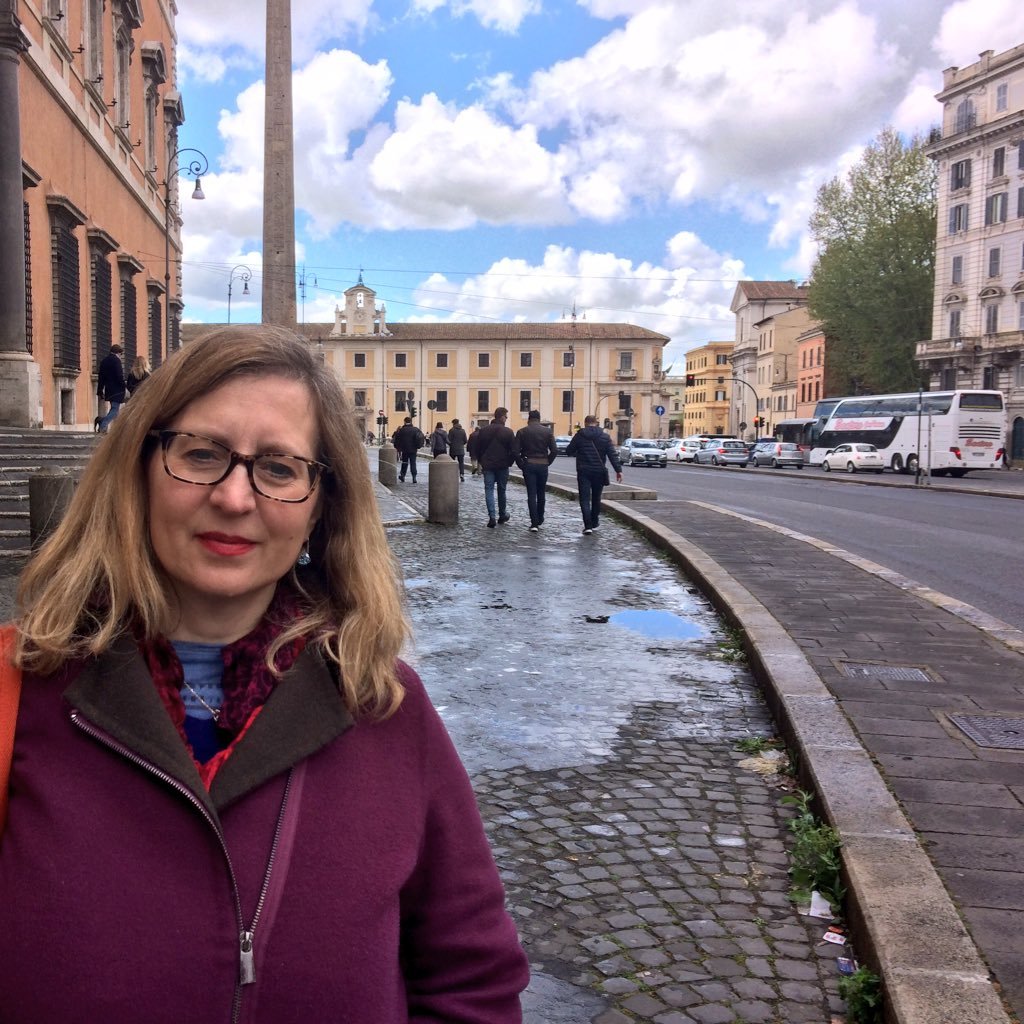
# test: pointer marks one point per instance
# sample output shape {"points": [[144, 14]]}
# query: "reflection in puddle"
{"points": [[658, 625]]}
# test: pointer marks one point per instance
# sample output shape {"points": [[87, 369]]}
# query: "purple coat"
{"points": [[128, 893]]}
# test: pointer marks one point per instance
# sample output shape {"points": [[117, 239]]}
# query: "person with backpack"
{"points": [[408, 439]]}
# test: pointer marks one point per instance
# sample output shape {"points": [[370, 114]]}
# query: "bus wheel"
{"points": [[912, 463], [897, 464]]}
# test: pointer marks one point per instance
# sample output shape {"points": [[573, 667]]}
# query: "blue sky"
{"points": [[509, 159]]}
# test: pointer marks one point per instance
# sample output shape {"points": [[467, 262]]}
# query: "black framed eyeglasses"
{"points": [[194, 459]]}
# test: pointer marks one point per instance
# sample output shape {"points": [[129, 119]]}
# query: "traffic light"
{"points": [[691, 380], [624, 400]]}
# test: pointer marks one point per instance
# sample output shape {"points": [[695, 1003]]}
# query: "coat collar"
{"points": [[303, 714]]}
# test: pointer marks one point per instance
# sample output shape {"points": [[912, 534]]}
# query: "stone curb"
{"points": [[900, 911]]}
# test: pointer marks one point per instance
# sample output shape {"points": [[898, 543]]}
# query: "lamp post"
{"points": [[196, 166], [245, 276]]}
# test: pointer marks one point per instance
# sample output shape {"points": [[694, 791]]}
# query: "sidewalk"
{"points": [[865, 671]]}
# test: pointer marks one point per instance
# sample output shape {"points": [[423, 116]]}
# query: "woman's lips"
{"points": [[226, 544]]}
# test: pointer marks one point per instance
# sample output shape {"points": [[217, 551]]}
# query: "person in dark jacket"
{"points": [[439, 440], [537, 450], [408, 439], [225, 784], [592, 446], [495, 449], [110, 385], [457, 447]]}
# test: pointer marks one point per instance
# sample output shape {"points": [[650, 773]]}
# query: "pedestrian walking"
{"points": [[439, 440], [457, 441], [592, 446], [137, 374], [225, 784], [495, 449], [408, 439], [537, 450], [110, 386], [474, 464]]}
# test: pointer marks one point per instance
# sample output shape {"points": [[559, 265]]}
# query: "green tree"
{"points": [[873, 280]]}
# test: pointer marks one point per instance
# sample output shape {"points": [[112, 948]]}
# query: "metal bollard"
{"points": [[387, 465], [443, 491], [49, 495]]}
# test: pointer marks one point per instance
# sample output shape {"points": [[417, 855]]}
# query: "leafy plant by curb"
{"points": [[862, 993], [815, 857], [732, 647]]}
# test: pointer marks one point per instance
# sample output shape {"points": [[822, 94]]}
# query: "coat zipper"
{"points": [[246, 936]]}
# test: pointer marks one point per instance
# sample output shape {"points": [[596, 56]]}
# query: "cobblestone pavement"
{"points": [[645, 867]]}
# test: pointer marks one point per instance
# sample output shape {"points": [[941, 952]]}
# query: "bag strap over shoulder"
{"points": [[10, 694]]}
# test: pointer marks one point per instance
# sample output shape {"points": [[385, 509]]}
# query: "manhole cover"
{"points": [[903, 673], [992, 730]]}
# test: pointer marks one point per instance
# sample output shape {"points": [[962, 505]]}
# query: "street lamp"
{"points": [[244, 275], [572, 386], [196, 166]]}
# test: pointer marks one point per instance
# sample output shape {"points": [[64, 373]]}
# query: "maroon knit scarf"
{"points": [[247, 679]]}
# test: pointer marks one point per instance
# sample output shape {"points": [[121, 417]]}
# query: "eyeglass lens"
{"points": [[200, 460]]}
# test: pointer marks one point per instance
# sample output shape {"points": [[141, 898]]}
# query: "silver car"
{"points": [[722, 453], [639, 451], [777, 454]]}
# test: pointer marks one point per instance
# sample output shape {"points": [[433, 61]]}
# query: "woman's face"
{"points": [[225, 547]]}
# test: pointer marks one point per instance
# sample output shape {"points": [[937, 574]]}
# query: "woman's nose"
{"points": [[235, 490]]}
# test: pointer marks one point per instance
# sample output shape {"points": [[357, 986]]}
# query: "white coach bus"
{"points": [[946, 432]]}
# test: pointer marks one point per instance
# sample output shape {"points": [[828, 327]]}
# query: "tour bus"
{"points": [[805, 432], [956, 431]]}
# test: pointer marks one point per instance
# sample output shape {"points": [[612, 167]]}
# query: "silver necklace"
{"points": [[215, 712]]}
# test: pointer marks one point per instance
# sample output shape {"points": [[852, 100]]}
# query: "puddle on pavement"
{"points": [[658, 625]]}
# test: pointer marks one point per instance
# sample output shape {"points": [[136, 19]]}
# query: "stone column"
{"points": [[278, 291], [19, 373]]}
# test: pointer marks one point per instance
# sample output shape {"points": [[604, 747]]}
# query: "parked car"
{"points": [[639, 451], [751, 445], [853, 457], [722, 453], [777, 454], [562, 442], [683, 450]]}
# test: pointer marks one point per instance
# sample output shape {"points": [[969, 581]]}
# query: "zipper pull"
{"points": [[247, 965]]}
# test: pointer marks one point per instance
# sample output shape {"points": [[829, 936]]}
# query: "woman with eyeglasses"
{"points": [[229, 800]]}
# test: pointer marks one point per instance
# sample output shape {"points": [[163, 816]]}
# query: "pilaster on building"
{"points": [[978, 312]]}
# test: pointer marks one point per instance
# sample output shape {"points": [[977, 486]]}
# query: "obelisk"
{"points": [[279, 171]]}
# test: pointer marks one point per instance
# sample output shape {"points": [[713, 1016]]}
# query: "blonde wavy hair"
{"points": [[97, 574]]}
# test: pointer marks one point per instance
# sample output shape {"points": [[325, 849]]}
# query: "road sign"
{"points": [[659, 410]]}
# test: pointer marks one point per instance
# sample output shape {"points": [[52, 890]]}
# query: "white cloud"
{"points": [[970, 27], [686, 298], [213, 37], [503, 15]]}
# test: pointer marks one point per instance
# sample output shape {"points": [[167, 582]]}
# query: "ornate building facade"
{"points": [[567, 370], [978, 314], [95, 154]]}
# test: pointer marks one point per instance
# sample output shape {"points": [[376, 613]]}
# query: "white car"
{"points": [[640, 451], [852, 458], [682, 450]]}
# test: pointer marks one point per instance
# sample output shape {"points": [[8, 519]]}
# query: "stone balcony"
{"points": [[979, 347]]}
